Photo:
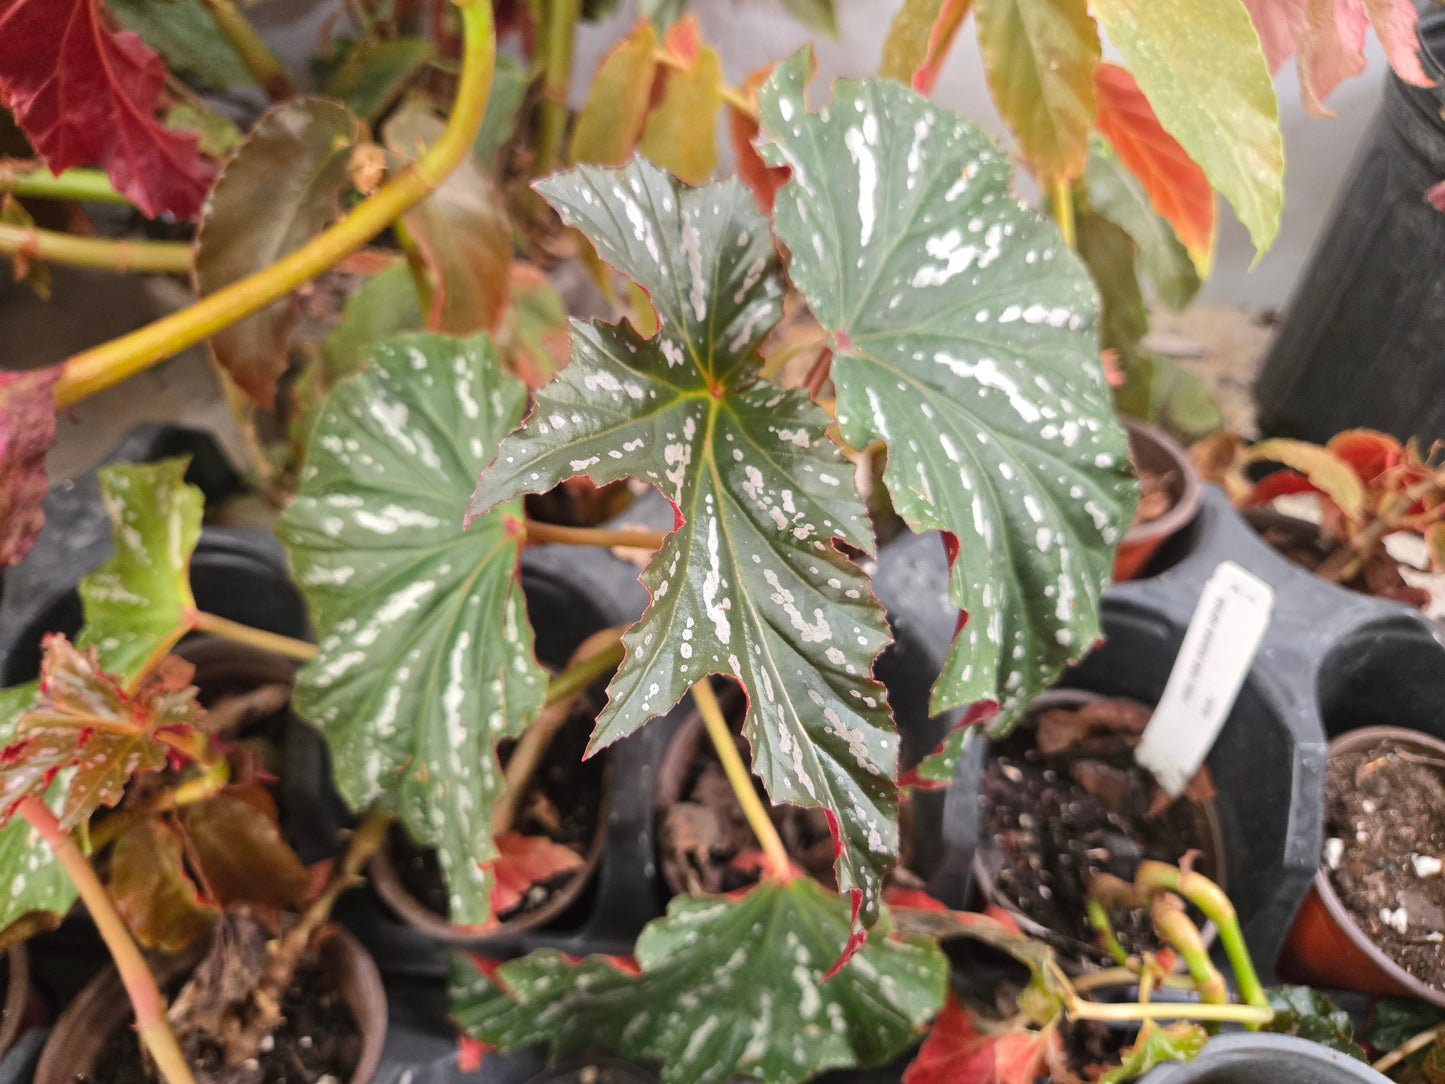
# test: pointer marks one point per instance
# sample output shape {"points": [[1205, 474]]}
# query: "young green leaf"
{"points": [[1116, 195], [727, 987], [1156, 1044], [750, 583], [30, 877], [386, 304], [425, 652], [964, 335], [610, 122], [681, 133], [509, 91], [27, 430], [87, 722], [1039, 56], [186, 35], [139, 603], [1217, 99], [281, 188], [1107, 252], [918, 38], [375, 73]]}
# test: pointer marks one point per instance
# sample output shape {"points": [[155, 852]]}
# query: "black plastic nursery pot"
{"points": [[1366, 319], [1262, 1058], [1155, 451]]}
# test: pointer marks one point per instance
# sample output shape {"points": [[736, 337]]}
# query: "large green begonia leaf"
{"points": [[964, 336], [139, 603], [750, 584], [425, 653], [727, 987]]}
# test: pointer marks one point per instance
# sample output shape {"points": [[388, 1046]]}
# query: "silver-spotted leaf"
{"points": [[425, 652], [728, 987], [280, 189], [750, 584], [964, 336], [138, 603], [30, 877]]}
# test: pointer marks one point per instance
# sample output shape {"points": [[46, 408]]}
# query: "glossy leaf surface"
{"points": [[279, 190], [727, 986], [425, 658], [1218, 102], [139, 601], [86, 721], [964, 336], [750, 584], [152, 889], [85, 95]]}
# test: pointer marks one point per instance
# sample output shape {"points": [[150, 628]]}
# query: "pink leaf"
{"points": [[1281, 24], [86, 95], [1435, 197], [27, 430], [524, 861]]}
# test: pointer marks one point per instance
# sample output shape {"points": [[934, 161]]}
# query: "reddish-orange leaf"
{"points": [[524, 861], [152, 890], [684, 40], [235, 843], [763, 179], [1176, 185], [27, 430], [956, 1052], [1369, 452], [940, 40], [85, 95], [86, 721]]}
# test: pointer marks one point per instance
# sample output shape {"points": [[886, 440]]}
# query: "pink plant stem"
{"points": [[140, 984]]}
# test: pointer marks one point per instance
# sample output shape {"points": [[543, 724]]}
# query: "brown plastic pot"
{"points": [[1325, 946], [382, 874], [987, 861], [1154, 450], [101, 1009], [23, 1008]]}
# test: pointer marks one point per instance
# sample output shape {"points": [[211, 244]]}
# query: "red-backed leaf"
{"points": [[940, 39], [237, 847], [1329, 36], [27, 430], [1369, 452], [763, 179], [524, 861], [1280, 483], [1327, 472], [956, 1052], [1176, 185], [85, 95], [152, 890], [87, 722]]}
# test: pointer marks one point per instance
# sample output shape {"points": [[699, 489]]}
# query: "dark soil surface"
{"points": [[1386, 808], [1156, 495], [562, 803], [1066, 800], [317, 1038]]}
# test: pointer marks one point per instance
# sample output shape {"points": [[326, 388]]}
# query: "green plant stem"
{"points": [[582, 673], [140, 984], [1099, 919], [421, 275], [741, 781], [1408, 1047], [1210, 898], [52, 246], [1175, 928], [532, 745], [1064, 211], [1248, 1015], [108, 364], [592, 536], [254, 53], [557, 34], [91, 185], [245, 634]]}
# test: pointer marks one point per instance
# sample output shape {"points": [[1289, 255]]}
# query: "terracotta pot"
{"points": [[987, 861], [1325, 946], [381, 872], [23, 1006], [102, 1009], [1154, 450]]}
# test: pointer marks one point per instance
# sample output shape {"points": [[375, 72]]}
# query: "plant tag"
{"points": [[1218, 647]]}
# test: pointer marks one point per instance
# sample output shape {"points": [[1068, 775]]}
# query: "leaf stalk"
{"points": [[140, 985], [107, 254], [741, 780], [81, 183], [103, 366], [593, 536]]}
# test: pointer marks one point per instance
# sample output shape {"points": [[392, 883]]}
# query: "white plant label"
{"points": [[1218, 647]]}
